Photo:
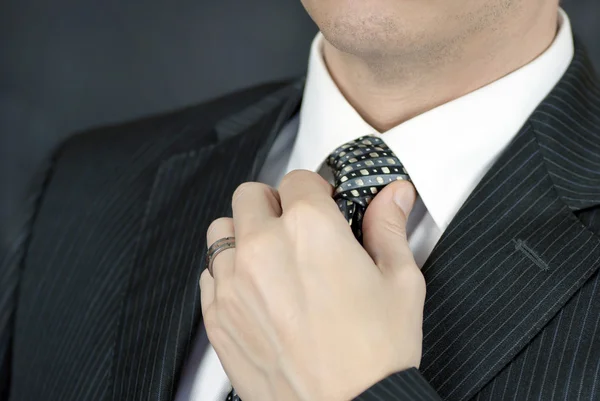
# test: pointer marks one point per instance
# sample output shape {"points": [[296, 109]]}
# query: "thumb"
{"points": [[384, 226]]}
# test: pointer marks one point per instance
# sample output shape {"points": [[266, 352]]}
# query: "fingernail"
{"points": [[404, 197]]}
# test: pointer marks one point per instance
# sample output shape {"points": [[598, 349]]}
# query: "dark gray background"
{"points": [[66, 65]]}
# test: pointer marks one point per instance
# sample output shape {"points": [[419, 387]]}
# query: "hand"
{"points": [[299, 310]]}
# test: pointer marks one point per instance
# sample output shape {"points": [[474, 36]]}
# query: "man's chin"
{"points": [[366, 40]]}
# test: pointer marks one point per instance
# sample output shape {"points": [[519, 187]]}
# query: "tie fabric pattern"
{"points": [[361, 168]]}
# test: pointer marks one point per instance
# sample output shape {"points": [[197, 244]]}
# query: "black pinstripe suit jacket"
{"points": [[99, 296]]}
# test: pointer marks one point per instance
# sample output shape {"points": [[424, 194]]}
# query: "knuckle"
{"points": [[296, 175], [244, 188], [254, 189], [221, 222]]}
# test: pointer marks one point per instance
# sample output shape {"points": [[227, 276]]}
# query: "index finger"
{"points": [[253, 205]]}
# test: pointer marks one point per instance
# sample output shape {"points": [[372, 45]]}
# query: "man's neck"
{"points": [[389, 91]]}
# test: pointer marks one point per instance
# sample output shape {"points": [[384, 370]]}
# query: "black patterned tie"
{"points": [[361, 169]]}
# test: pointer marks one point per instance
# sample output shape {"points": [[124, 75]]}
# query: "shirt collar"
{"points": [[446, 150]]}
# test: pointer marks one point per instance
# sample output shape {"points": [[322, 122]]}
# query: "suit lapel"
{"points": [[516, 252], [162, 309]]}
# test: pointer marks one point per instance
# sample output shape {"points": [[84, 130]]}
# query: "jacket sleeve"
{"points": [[408, 385]]}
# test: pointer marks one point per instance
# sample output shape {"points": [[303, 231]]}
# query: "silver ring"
{"points": [[216, 248]]}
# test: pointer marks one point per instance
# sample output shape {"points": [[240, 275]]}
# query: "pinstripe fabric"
{"points": [[108, 299], [163, 296], [562, 362], [500, 275], [511, 310]]}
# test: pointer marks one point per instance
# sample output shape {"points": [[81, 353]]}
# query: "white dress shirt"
{"points": [[446, 151]]}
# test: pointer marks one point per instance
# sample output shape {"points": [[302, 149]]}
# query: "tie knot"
{"points": [[362, 167]]}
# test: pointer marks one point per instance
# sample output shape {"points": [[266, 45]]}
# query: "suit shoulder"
{"points": [[164, 127]]}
